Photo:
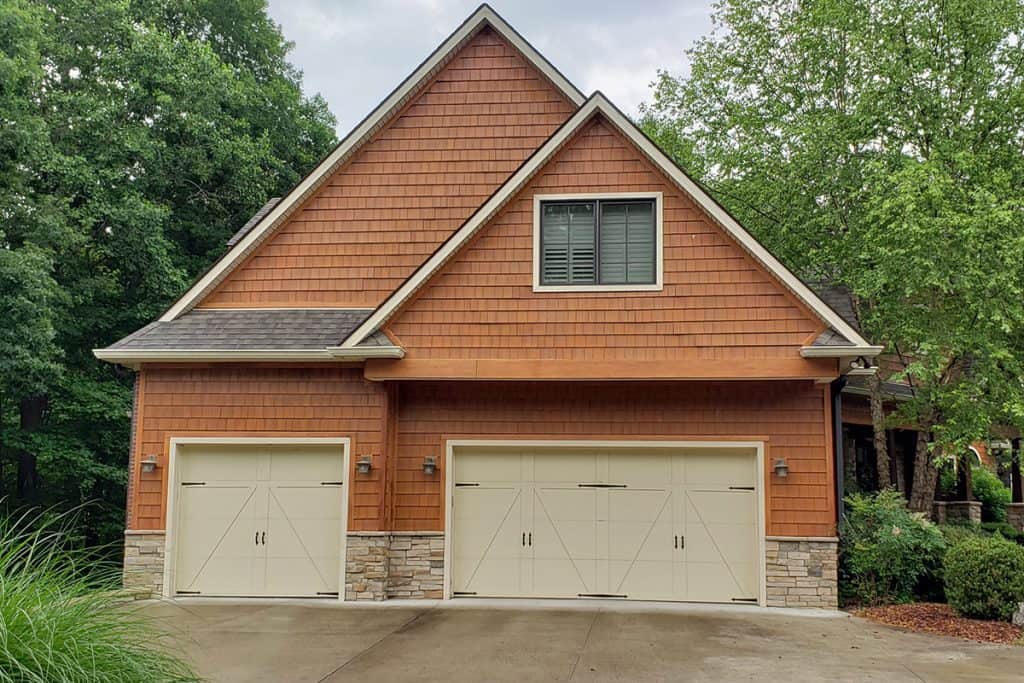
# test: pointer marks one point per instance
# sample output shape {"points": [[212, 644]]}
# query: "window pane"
{"points": [[567, 244], [640, 250], [627, 243], [613, 243]]}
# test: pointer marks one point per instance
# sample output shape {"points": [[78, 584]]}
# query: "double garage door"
{"points": [[259, 520], [646, 524]]}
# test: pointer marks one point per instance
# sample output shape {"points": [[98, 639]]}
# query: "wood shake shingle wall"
{"points": [[378, 218], [224, 400], [717, 303], [790, 416]]}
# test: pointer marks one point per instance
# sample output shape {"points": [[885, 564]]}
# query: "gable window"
{"points": [[597, 243]]}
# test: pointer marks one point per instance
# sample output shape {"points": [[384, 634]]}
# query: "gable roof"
{"points": [[598, 104], [299, 334], [249, 238]]}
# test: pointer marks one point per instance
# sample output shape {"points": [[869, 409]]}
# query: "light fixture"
{"points": [[429, 465], [781, 468], [149, 463], [364, 465]]}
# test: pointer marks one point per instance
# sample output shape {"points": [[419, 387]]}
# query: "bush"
{"points": [[985, 577], [885, 551], [63, 618], [1005, 530], [992, 493]]}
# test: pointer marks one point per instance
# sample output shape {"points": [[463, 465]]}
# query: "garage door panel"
{"points": [[570, 467], [640, 469], [652, 524], [718, 471], [283, 539], [489, 467], [305, 464], [223, 463], [487, 550], [218, 530]]}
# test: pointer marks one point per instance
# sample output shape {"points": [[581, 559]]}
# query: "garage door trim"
{"points": [[757, 446], [172, 484]]}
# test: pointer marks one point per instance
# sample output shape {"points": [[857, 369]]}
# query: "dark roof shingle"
{"points": [[252, 329]]}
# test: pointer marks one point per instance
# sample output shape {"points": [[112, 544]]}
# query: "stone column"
{"points": [[802, 572]]}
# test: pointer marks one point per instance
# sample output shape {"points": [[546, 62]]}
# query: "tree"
{"points": [[142, 134], [878, 145]]}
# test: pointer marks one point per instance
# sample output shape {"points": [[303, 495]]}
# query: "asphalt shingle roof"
{"points": [[238, 330], [251, 223]]}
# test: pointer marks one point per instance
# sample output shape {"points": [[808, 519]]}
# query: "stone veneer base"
{"points": [[144, 562], [802, 572]]}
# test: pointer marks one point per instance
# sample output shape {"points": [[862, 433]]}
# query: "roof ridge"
{"points": [[598, 104], [482, 17]]}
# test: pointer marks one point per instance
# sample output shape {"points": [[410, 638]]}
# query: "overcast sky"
{"points": [[355, 52]]}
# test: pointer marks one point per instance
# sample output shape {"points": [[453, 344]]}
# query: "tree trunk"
{"points": [[922, 488], [32, 409], [964, 485], [881, 440], [1016, 489]]}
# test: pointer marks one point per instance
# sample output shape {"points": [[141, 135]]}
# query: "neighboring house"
{"points": [[496, 344]]}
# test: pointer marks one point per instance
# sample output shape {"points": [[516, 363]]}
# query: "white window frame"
{"points": [[659, 231]]}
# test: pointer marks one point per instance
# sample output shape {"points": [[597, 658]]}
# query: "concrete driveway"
{"points": [[471, 640]]}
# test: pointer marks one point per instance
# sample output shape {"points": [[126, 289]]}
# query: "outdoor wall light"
{"points": [[364, 464], [429, 465], [781, 468], [149, 463]]}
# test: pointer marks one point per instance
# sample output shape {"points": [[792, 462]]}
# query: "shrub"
{"points": [[993, 494], [62, 617], [985, 577], [885, 551], [1005, 530]]}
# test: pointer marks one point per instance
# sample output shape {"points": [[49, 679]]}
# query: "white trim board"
{"points": [[131, 357], [484, 16], [762, 488], [599, 104], [170, 522], [659, 242]]}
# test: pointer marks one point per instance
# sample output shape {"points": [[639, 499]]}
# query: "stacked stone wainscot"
{"points": [[394, 565], [802, 572], [144, 563]]}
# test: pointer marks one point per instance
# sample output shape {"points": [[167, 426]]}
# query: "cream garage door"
{"points": [[643, 524], [259, 520]]}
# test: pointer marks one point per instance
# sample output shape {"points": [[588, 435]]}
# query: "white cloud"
{"points": [[355, 53]]}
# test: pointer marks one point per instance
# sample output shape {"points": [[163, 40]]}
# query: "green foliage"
{"points": [[138, 137], [877, 144], [62, 617], [885, 551], [985, 577], [993, 494]]}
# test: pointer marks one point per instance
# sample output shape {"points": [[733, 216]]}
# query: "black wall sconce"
{"points": [[364, 464], [429, 465]]}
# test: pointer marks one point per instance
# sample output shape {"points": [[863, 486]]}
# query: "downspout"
{"points": [[837, 443]]}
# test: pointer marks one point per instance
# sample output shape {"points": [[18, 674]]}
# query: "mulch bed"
{"points": [[940, 619]]}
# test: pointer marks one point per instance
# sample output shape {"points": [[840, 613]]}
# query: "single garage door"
{"points": [[259, 520], [644, 524]]}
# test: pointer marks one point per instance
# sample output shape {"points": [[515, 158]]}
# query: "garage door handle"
{"points": [[529, 537], [524, 539], [263, 538], [675, 542], [256, 540]]}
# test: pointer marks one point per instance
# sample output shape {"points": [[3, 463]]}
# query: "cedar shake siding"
{"points": [[791, 417], [236, 400], [381, 214], [717, 303]]}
